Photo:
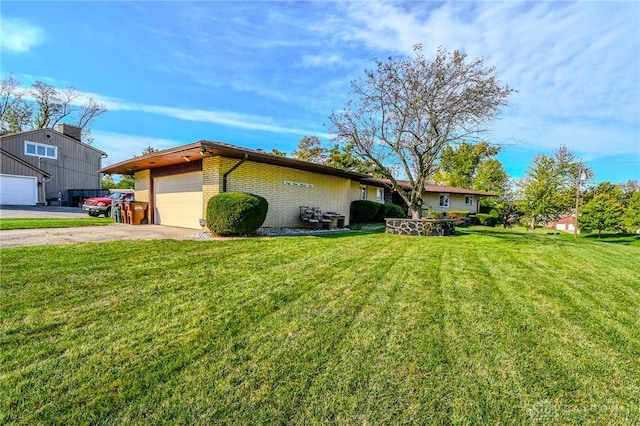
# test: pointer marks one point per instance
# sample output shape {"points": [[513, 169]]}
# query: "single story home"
{"points": [[178, 183], [441, 198]]}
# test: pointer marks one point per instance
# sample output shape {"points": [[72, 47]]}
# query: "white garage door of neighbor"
{"points": [[18, 190], [178, 200]]}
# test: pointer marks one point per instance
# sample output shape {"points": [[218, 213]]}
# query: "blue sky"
{"points": [[263, 74]]}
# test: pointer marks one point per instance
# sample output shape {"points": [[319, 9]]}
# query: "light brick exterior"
{"points": [[285, 189]]}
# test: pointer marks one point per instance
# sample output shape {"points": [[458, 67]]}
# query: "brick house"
{"points": [[178, 182]]}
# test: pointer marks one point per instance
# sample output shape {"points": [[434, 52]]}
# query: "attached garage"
{"points": [[178, 200], [18, 190]]}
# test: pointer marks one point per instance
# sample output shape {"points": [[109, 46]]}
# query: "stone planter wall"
{"points": [[421, 227]]}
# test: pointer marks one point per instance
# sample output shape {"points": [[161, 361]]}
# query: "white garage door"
{"points": [[18, 190], [178, 200]]}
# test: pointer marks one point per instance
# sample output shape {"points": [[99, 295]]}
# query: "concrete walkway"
{"points": [[81, 234]]}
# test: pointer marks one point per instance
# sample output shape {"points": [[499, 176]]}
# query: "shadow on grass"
{"points": [[624, 239]]}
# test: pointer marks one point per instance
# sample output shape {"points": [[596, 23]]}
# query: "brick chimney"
{"points": [[74, 132]]}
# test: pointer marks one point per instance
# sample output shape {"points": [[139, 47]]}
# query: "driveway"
{"points": [[82, 234]]}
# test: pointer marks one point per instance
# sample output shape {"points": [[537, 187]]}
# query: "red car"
{"points": [[102, 205]]}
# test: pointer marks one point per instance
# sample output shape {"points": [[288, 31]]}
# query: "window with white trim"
{"points": [[40, 150], [379, 194], [468, 200], [363, 192], [444, 200]]}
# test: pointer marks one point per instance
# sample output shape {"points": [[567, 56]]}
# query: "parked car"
{"points": [[102, 205]]}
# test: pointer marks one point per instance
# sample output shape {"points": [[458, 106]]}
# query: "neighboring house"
{"points": [[178, 183], [565, 224], [41, 166], [440, 198]]}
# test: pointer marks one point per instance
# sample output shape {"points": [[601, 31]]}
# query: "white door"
{"points": [[18, 190], [178, 200]]}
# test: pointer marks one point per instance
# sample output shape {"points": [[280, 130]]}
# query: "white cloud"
{"points": [[122, 147], [18, 35], [575, 65]]}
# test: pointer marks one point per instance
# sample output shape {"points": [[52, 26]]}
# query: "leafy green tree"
{"points": [[276, 151], [542, 198], [107, 182], [628, 188], [343, 157], [148, 150], [632, 213], [405, 112], [603, 188], [550, 185], [460, 165], [602, 213], [310, 149], [507, 204]]}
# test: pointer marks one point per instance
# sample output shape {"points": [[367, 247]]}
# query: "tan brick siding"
{"points": [[329, 193]]}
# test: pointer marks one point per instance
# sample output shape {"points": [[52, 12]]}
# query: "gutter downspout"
{"points": [[228, 172]]}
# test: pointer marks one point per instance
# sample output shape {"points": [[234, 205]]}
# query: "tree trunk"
{"points": [[415, 212], [533, 224]]}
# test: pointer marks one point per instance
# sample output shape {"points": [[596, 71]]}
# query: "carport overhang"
{"points": [[204, 149]]}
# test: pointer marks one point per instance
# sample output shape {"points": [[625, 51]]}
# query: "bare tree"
{"points": [[406, 111], [43, 107], [15, 114]]}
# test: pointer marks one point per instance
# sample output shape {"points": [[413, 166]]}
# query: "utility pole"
{"points": [[581, 178]]}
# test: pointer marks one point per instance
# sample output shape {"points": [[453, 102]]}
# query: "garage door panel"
{"points": [[18, 190], [178, 200]]}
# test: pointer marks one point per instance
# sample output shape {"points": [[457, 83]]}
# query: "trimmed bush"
{"points": [[236, 213], [363, 211], [389, 210], [485, 219]]}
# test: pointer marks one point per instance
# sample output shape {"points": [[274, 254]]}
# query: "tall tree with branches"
{"points": [[404, 112], [43, 106]]}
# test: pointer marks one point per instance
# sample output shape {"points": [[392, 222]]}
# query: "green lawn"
{"points": [[488, 327], [37, 223]]}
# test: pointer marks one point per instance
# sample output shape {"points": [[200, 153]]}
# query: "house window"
{"points": [[468, 200], [363, 192], [379, 194], [444, 200], [40, 150]]}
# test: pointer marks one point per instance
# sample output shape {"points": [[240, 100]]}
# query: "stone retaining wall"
{"points": [[421, 227]]}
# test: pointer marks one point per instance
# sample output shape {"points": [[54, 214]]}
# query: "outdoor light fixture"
{"points": [[186, 158]]}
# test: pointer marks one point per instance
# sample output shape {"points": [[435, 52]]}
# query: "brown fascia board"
{"points": [[193, 151], [442, 189], [24, 163], [104, 154]]}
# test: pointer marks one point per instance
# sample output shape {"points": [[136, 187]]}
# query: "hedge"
{"points": [[363, 211], [236, 213]]}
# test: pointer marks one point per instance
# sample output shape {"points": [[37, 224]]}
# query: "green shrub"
{"points": [[363, 211], [389, 210], [236, 213], [434, 214], [460, 216], [485, 219], [394, 210]]}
